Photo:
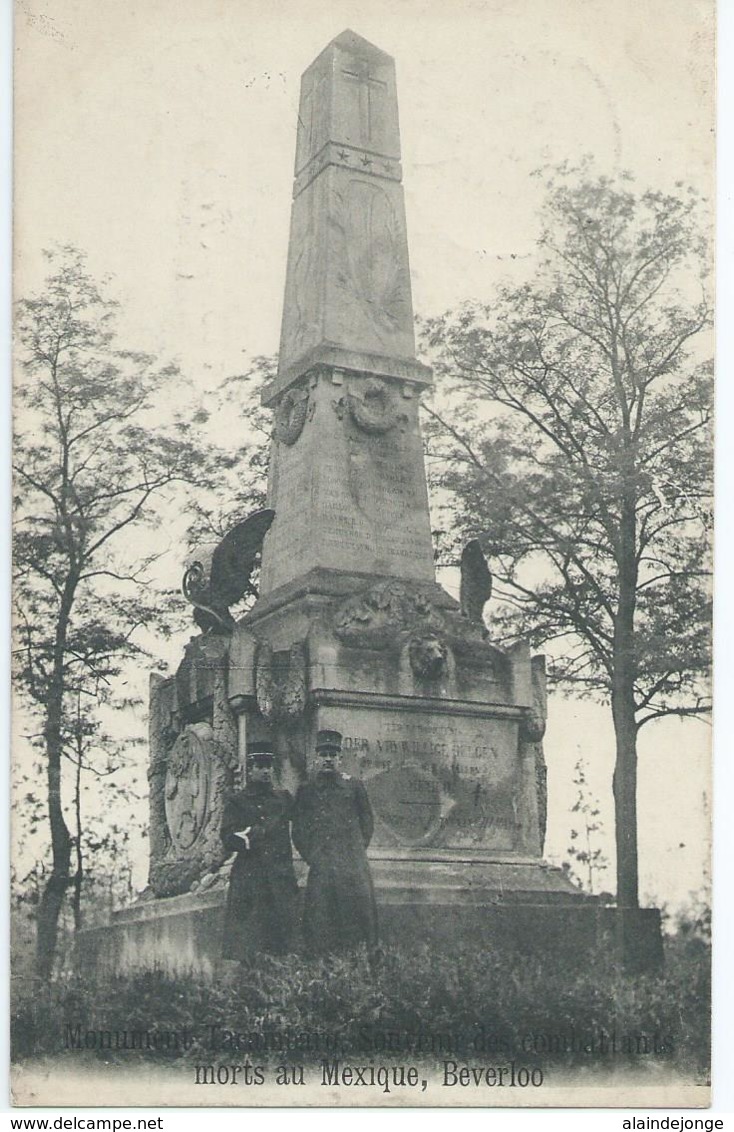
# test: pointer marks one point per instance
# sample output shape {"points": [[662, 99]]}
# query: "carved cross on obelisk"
{"points": [[371, 92], [347, 480]]}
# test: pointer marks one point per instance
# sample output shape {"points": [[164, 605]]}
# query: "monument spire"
{"points": [[347, 295], [349, 490]]}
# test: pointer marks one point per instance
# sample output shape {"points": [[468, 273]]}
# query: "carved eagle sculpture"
{"points": [[476, 582], [217, 575]]}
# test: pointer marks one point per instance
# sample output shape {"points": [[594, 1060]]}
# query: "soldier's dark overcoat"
{"points": [[332, 827], [261, 902]]}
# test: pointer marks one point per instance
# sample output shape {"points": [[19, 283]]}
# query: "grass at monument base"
{"points": [[563, 1011]]}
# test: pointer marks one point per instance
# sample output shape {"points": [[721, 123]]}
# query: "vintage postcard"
{"points": [[362, 553]]}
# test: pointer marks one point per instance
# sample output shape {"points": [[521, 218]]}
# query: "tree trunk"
{"points": [[625, 796], [77, 898], [47, 926], [623, 696], [54, 893]]}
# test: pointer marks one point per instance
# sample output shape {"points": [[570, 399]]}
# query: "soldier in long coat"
{"points": [[332, 827], [261, 902]]}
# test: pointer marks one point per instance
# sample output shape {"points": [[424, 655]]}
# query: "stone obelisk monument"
{"points": [[347, 478], [351, 631]]}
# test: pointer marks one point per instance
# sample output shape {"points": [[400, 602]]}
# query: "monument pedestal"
{"points": [[522, 907]]}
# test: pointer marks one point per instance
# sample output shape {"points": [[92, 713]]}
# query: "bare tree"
{"points": [[91, 460], [574, 440]]}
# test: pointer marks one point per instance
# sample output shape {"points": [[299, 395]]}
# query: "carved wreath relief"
{"points": [[373, 407], [290, 416], [376, 410]]}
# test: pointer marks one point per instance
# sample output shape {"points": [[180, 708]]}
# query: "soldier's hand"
{"points": [[243, 835]]}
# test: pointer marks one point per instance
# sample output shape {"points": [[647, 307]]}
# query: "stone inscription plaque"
{"points": [[434, 779], [376, 512], [349, 493]]}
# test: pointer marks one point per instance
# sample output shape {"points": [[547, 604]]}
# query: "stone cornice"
{"points": [[333, 697]]}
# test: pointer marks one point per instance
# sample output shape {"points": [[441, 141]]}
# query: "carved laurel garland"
{"points": [[290, 416], [375, 411]]}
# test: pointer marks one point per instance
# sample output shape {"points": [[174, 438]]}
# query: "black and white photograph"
{"points": [[362, 554]]}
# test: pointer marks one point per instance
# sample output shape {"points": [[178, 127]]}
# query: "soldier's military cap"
{"points": [[328, 741], [260, 754]]}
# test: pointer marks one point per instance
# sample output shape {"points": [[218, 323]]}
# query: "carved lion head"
{"points": [[427, 656]]}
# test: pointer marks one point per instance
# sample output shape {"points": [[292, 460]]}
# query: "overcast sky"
{"points": [[160, 137]]}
